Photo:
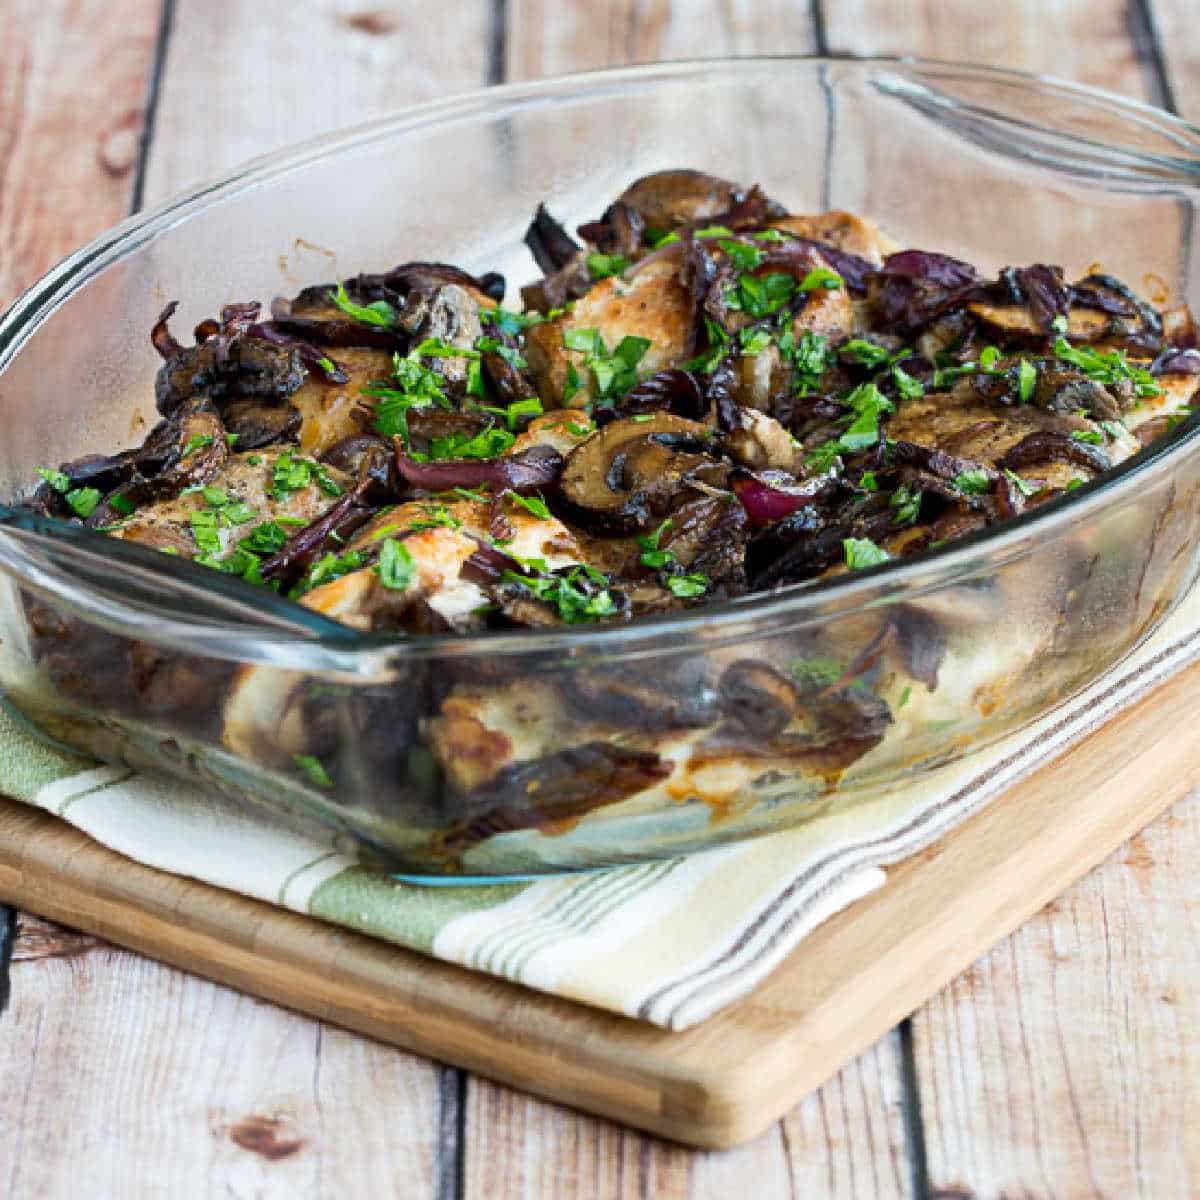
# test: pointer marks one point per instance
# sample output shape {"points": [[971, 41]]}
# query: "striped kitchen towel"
{"points": [[668, 942]]}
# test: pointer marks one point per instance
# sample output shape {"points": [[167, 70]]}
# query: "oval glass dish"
{"points": [[528, 752]]}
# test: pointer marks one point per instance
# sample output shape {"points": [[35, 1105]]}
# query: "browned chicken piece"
{"points": [[844, 230], [975, 430], [651, 304], [330, 412], [244, 480]]}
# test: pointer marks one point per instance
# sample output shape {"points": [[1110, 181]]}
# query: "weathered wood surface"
{"points": [[1082, 1117]]}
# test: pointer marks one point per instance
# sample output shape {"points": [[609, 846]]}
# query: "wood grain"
{"points": [[243, 77], [545, 38], [844, 1140], [155, 1083], [718, 1084], [73, 84], [243, 1081], [1085, 42], [1061, 1064], [1067, 1061]]}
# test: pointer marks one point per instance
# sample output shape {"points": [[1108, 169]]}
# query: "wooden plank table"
{"points": [[1063, 1064]]}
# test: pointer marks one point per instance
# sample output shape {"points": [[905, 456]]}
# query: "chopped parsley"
{"points": [[379, 312], [196, 442], [686, 586], [908, 386], [83, 501], [718, 347], [204, 530], [862, 553], [577, 595], [615, 371], [810, 358], [437, 516], [1022, 485], [489, 443], [601, 266], [768, 235], [652, 555], [759, 296], [534, 505], [1107, 367], [906, 501], [60, 481], [745, 258], [1026, 380], [973, 482], [293, 473], [122, 504], [506, 321], [491, 345], [820, 278], [866, 404], [396, 567], [413, 385], [328, 568], [267, 538], [1077, 482], [516, 412], [312, 767], [864, 353], [1091, 436], [753, 340]]}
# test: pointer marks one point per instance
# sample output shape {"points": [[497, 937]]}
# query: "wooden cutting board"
{"points": [[730, 1077]]}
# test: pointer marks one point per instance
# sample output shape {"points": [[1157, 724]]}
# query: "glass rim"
{"points": [[815, 600]]}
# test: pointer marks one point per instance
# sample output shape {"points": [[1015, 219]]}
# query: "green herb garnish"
{"points": [[862, 553], [652, 556], [687, 586], [196, 442], [60, 481], [973, 482], [379, 312], [534, 505], [312, 767], [601, 266], [396, 567], [83, 501]]}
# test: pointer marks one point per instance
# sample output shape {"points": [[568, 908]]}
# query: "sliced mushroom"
{"points": [[628, 473], [220, 368], [667, 200], [757, 697], [254, 423]]}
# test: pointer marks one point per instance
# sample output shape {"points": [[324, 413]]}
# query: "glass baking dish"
{"points": [[528, 752]]}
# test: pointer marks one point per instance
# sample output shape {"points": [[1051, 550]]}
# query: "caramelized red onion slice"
{"points": [[928, 264], [1045, 292], [674, 390], [769, 497], [487, 565], [853, 269], [163, 339], [534, 468], [304, 546], [311, 356], [1176, 360]]}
